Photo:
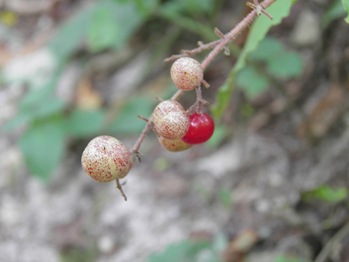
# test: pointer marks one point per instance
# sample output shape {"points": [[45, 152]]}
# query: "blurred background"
{"points": [[272, 183]]}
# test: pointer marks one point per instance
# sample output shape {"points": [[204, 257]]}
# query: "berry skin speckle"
{"points": [[105, 159], [186, 73], [172, 126], [165, 107], [174, 145]]}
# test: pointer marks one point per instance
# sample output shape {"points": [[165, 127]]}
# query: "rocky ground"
{"points": [[247, 192]]}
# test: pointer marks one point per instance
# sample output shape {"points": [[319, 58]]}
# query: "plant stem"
{"points": [[137, 145], [217, 46], [233, 34]]}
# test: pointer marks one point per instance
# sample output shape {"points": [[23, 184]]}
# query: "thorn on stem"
{"points": [[118, 186], [219, 33], [226, 51], [138, 156], [205, 84], [259, 9], [143, 118]]}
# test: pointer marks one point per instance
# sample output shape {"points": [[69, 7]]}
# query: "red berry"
{"points": [[200, 129], [105, 159], [186, 73]]}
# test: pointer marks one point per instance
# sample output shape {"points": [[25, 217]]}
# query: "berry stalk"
{"points": [[216, 46]]}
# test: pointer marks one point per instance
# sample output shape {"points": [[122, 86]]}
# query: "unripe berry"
{"points": [[105, 159], [174, 145], [186, 73], [172, 126]]}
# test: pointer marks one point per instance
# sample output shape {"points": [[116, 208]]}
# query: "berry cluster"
{"points": [[105, 158], [176, 128]]}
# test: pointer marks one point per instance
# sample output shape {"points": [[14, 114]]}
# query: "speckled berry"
{"points": [[174, 145], [105, 159], [165, 107], [172, 126], [186, 73]]}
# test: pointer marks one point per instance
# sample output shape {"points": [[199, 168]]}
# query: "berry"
{"points": [[172, 126], [200, 129], [174, 145], [186, 73], [105, 159], [165, 107]]}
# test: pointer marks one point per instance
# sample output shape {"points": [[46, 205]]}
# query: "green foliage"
{"points": [[43, 146], [185, 14], [270, 60], [252, 81], [85, 123], [127, 122], [284, 258], [326, 194], [187, 251], [335, 11], [346, 8], [261, 26], [220, 132], [79, 255], [193, 7], [102, 25], [108, 27], [224, 196]]}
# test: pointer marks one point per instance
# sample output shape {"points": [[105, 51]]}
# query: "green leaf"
{"points": [[127, 122], [41, 103], [146, 8], [85, 123], [278, 10], [42, 146], [224, 195], [172, 12], [252, 82], [286, 65], [346, 8], [184, 251], [102, 30], [267, 49], [326, 194], [112, 24], [218, 136], [71, 34], [335, 11], [20, 119], [284, 258], [191, 7]]}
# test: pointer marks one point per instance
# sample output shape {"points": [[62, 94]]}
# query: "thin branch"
{"points": [[216, 47], [118, 185], [325, 252], [232, 35]]}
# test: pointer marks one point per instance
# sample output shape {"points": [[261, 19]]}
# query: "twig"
{"points": [[322, 257], [216, 47], [118, 185]]}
